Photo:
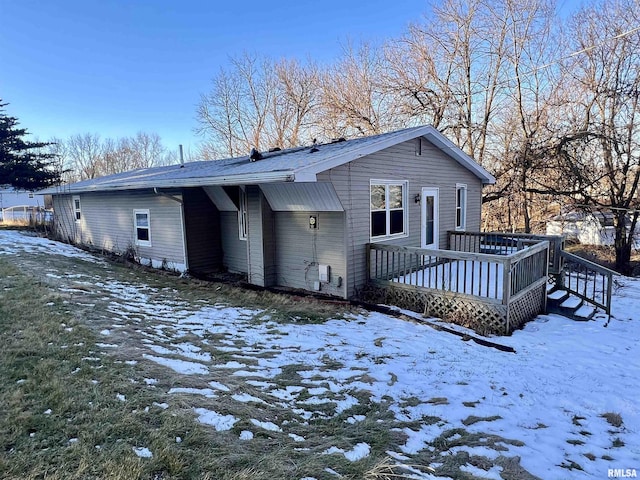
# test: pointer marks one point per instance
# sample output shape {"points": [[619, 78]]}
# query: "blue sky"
{"points": [[116, 67]]}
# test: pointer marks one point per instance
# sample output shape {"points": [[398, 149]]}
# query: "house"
{"points": [[18, 205], [299, 218], [587, 228]]}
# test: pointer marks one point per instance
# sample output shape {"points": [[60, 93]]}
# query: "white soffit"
{"points": [[302, 197]]}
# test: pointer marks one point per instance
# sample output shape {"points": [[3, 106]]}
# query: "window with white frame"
{"points": [[242, 215], [388, 213], [142, 223], [461, 206], [77, 212]]}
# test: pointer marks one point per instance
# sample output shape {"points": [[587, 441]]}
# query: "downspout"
{"points": [[184, 236]]}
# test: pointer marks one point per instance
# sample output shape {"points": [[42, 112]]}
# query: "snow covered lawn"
{"points": [[449, 407]]}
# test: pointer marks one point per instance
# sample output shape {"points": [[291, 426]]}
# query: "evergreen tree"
{"points": [[22, 163]]}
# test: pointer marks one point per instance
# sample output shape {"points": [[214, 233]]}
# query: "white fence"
{"points": [[25, 214]]}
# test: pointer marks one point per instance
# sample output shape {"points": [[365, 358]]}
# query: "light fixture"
{"points": [[417, 198]]}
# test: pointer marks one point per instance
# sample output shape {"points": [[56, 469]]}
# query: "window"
{"points": [[388, 199], [142, 224], [461, 206], [418, 146], [242, 215], [76, 208]]}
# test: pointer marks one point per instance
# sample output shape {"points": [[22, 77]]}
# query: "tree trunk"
{"points": [[623, 243]]}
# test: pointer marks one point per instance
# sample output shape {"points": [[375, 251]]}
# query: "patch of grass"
{"points": [[539, 426], [571, 465], [471, 404], [576, 420], [608, 458], [617, 443], [471, 419], [438, 401], [61, 413], [614, 419], [590, 456], [576, 442]]}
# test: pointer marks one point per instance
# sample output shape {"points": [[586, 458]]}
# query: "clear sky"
{"points": [[116, 67]]}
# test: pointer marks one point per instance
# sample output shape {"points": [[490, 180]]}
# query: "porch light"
{"points": [[417, 198]]}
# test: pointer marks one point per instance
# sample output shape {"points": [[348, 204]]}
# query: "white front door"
{"points": [[429, 205]]}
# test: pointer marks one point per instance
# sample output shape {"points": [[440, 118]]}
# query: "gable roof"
{"points": [[300, 164]]}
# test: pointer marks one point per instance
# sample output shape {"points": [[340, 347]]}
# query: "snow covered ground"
{"points": [[550, 401]]}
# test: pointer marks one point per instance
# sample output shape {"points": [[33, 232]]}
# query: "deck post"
{"points": [[506, 287], [368, 247]]}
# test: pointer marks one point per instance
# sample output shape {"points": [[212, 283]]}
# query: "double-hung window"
{"points": [[77, 212], [388, 212], [461, 206], [142, 223]]}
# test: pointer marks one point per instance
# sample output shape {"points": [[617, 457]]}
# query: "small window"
{"points": [[388, 214], [418, 146], [142, 223], [242, 215], [76, 208], [461, 206]]}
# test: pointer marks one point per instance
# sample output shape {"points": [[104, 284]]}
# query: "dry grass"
{"points": [[614, 419]]}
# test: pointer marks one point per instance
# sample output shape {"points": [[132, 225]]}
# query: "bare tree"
{"points": [[147, 150], [355, 100], [257, 103], [597, 156], [85, 155]]}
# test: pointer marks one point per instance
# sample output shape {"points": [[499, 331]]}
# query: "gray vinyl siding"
{"points": [[261, 248], [431, 169], [202, 226], [64, 220], [235, 250], [107, 223], [299, 250]]}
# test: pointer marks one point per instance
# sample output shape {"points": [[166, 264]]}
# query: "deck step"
{"points": [[561, 302], [584, 313], [571, 302], [557, 295]]}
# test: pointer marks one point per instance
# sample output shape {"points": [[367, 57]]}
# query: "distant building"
{"points": [[19, 205], [587, 228]]}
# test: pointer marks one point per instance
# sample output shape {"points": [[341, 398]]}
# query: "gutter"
{"points": [[241, 179]]}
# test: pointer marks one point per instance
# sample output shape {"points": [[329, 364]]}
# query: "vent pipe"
{"points": [[181, 156]]}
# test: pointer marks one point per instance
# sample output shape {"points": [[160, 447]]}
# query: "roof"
{"points": [[300, 164], [605, 218]]}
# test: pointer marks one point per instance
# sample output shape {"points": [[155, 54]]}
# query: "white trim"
{"points": [[136, 212], [463, 207], [430, 192], [405, 227], [107, 186]]}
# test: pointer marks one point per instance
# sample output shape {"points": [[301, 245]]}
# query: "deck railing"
{"points": [[587, 280], [497, 278], [506, 243]]}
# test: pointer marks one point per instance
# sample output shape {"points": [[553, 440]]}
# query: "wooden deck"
{"points": [[489, 282]]}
